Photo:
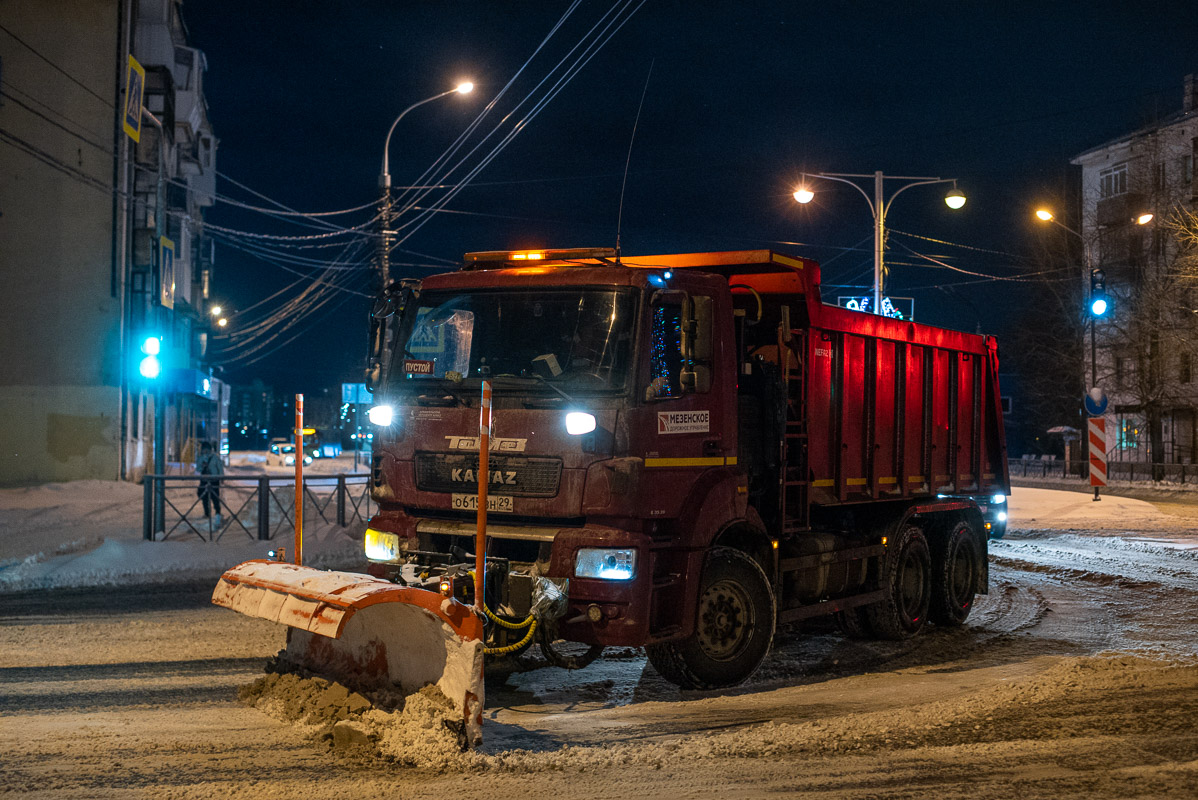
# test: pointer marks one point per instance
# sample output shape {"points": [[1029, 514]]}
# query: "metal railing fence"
{"points": [[1115, 470], [260, 506]]}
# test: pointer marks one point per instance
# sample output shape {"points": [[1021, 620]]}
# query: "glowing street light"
{"points": [[215, 311], [879, 206], [955, 198], [465, 87]]}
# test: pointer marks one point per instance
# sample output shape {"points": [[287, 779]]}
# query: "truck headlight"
{"points": [[381, 546], [579, 423], [998, 499], [605, 563], [381, 415]]}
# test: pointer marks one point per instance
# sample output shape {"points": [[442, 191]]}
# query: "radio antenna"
{"points": [[628, 160]]}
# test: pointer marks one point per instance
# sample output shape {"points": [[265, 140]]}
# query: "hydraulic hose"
{"points": [[529, 622]]}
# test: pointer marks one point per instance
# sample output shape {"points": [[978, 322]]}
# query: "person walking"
{"points": [[209, 463]]}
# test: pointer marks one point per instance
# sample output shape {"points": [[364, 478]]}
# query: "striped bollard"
{"points": [[1096, 426]]}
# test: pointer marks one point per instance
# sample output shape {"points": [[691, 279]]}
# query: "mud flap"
{"points": [[366, 632]]}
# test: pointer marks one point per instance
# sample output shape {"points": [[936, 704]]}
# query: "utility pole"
{"points": [[385, 209], [384, 252], [159, 318]]}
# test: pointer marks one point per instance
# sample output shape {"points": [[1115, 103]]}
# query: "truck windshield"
{"points": [[580, 339]]}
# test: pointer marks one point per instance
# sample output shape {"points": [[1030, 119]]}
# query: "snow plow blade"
{"points": [[366, 632]]}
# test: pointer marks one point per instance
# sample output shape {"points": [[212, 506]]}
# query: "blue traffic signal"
{"points": [[1098, 306], [150, 367]]}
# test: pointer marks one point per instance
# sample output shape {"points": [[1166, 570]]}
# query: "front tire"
{"points": [[955, 577], [734, 626], [907, 580]]}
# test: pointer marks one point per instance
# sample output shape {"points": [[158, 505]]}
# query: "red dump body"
{"points": [[894, 408]]}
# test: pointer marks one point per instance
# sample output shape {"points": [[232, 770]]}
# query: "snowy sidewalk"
{"points": [[89, 533]]}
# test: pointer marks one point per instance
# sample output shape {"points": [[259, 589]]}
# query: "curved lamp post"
{"points": [[879, 206], [1046, 215], [385, 183]]}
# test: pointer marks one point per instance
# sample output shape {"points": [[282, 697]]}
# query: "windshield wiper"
{"points": [[534, 377]]}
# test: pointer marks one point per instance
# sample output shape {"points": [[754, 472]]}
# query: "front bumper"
{"points": [[623, 606]]}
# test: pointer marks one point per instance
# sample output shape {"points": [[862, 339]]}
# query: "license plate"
{"points": [[469, 502]]}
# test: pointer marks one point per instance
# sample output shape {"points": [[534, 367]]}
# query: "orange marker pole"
{"points": [[484, 471], [299, 479]]}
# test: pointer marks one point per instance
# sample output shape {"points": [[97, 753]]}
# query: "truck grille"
{"points": [[512, 475]]}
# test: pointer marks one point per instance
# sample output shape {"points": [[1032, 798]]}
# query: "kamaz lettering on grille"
{"points": [[505, 477]]}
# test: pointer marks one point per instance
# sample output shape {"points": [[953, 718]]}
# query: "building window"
{"points": [[1184, 373], [1187, 169], [1113, 181], [1158, 177], [1129, 434]]}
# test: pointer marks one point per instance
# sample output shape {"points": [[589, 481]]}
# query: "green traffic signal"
{"points": [[150, 367]]}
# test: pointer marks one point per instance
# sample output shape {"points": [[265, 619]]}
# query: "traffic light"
{"points": [[150, 367], [1098, 298]]}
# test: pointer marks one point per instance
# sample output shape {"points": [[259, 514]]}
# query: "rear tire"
{"points": [[907, 580], [734, 626], [955, 577]]}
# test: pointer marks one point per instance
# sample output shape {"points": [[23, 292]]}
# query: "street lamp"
{"points": [[1096, 309], [385, 182], [1098, 304], [879, 206]]}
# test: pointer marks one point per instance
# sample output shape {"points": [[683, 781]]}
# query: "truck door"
{"points": [[685, 398]]}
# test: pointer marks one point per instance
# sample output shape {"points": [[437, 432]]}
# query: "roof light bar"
{"points": [[496, 259]]}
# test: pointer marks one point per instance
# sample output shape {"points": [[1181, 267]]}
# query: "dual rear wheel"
{"points": [[737, 610], [922, 581]]}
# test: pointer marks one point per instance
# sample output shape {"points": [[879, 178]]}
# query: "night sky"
{"points": [[741, 99]]}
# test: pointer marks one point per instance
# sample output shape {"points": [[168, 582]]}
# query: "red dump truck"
{"points": [[694, 448]]}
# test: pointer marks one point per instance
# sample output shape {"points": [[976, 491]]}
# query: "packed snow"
{"points": [[1060, 684]]}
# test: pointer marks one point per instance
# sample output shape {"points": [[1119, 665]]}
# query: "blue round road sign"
{"points": [[1095, 401]]}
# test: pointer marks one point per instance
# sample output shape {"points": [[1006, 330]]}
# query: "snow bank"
{"points": [[414, 734], [413, 731]]}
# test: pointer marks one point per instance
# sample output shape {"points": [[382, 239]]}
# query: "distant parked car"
{"points": [[283, 455]]}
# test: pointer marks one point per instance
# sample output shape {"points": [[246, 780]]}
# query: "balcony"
{"points": [[1120, 209]]}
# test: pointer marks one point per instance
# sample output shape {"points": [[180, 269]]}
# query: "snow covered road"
{"points": [[1077, 676]]}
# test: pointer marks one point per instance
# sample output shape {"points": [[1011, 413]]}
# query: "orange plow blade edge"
{"points": [[366, 632]]}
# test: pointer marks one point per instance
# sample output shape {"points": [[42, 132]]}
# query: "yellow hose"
{"points": [[530, 622], [503, 623], [498, 651]]}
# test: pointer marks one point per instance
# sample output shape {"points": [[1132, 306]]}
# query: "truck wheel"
{"points": [[955, 577], [907, 581], [734, 626]]}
